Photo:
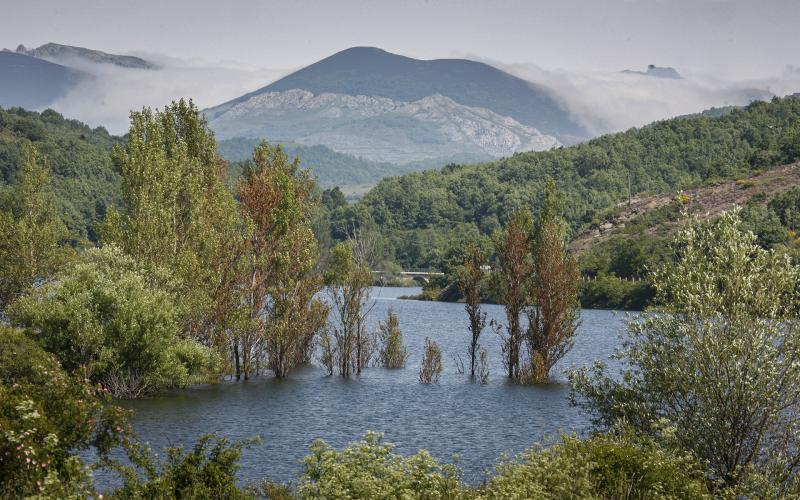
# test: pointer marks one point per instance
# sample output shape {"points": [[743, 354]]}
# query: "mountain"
{"points": [[379, 128], [33, 83], [57, 52], [385, 107], [371, 71], [656, 71], [424, 217]]}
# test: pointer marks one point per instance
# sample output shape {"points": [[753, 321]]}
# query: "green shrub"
{"points": [[719, 363], [607, 466], [208, 470], [370, 469], [393, 352], [46, 416], [100, 317]]}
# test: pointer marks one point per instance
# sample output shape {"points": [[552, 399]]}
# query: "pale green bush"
{"points": [[607, 466], [101, 318], [370, 469]]}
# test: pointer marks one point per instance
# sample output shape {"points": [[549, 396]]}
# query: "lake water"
{"points": [[454, 416]]}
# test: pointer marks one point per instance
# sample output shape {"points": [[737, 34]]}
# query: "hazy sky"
{"points": [[724, 38]]}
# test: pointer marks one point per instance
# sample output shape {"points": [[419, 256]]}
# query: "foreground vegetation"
{"points": [[192, 280], [707, 408]]}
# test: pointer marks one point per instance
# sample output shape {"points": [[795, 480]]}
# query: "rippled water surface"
{"points": [[452, 417]]}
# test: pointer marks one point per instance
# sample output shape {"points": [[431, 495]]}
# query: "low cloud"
{"points": [[610, 102], [602, 102], [112, 92]]}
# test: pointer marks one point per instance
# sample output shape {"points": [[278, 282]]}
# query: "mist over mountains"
{"points": [[34, 83], [372, 104], [58, 52]]}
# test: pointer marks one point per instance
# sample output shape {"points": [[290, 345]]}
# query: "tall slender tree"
{"points": [[512, 277], [276, 201], [553, 315], [31, 233], [178, 219], [348, 281], [470, 282]]}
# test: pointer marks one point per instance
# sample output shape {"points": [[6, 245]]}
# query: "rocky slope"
{"points": [[702, 203], [378, 128]]}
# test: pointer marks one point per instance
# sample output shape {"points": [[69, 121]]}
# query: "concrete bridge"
{"points": [[420, 277]]}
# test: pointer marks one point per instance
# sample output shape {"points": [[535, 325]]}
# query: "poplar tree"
{"points": [[31, 233], [555, 305], [178, 220], [348, 281], [512, 276], [276, 200], [471, 280]]}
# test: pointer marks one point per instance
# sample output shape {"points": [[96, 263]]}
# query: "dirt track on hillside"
{"points": [[703, 203]]}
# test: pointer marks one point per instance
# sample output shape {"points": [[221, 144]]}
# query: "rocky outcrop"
{"points": [[378, 128], [58, 53], [657, 72]]}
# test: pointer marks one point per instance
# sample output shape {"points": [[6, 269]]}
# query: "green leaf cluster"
{"points": [[103, 320]]}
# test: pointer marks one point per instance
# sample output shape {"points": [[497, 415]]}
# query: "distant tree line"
{"points": [[425, 220]]}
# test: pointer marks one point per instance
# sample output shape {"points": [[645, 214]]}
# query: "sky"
{"points": [[733, 39]]}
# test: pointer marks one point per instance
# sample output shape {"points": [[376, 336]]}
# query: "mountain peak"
{"points": [[657, 72], [56, 51], [371, 71]]}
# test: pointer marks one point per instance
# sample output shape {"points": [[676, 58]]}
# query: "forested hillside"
{"points": [[424, 217], [83, 177], [328, 166]]}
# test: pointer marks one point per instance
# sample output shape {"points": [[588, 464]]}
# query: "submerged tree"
{"points": [[393, 352], [553, 315], [31, 233], [283, 316], [348, 281], [719, 364], [470, 282], [512, 277], [431, 367]]}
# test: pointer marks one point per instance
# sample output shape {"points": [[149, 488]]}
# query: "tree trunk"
{"points": [[236, 359]]}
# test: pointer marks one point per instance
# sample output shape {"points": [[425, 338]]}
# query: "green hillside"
{"points": [[424, 217], [83, 177], [330, 167]]}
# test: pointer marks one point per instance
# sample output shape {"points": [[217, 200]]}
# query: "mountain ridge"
{"points": [[379, 128], [376, 72], [57, 51], [33, 83]]}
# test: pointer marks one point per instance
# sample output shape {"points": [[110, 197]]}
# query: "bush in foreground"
{"points": [[101, 318], [370, 469], [720, 362], [46, 416], [608, 466], [207, 470]]}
